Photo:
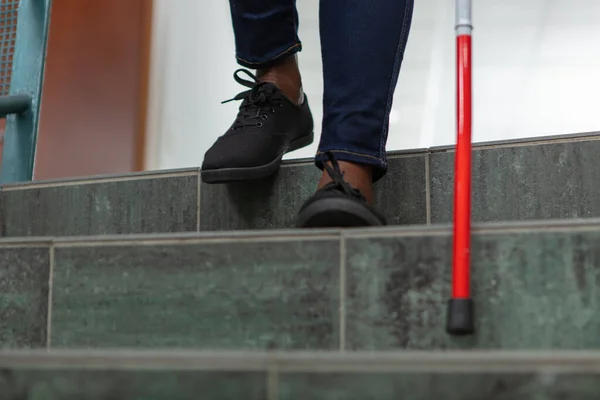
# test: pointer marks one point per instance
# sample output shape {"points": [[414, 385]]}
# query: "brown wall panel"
{"points": [[91, 108]]}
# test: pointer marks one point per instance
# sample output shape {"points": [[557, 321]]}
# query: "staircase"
{"points": [[156, 286]]}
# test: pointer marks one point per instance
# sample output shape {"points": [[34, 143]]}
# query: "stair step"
{"points": [[536, 286], [127, 375], [544, 178]]}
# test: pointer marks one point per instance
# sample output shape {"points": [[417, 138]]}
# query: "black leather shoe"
{"points": [[267, 126]]}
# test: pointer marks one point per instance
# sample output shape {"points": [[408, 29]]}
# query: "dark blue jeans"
{"points": [[362, 45]]}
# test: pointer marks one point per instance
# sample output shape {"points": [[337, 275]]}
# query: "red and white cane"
{"points": [[460, 307]]}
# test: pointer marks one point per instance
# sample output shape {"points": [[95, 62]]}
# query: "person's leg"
{"points": [[274, 117], [362, 45], [266, 38]]}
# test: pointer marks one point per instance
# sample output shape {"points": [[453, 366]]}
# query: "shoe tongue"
{"points": [[266, 87], [267, 90]]}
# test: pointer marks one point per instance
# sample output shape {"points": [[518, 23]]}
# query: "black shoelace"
{"points": [[338, 183], [258, 101]]}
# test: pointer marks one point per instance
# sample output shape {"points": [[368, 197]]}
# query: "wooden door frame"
{"points": [[144, 87]]}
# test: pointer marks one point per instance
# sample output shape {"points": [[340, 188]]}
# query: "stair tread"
{"points": [[130, 375], [571, 137], [499, 227]]}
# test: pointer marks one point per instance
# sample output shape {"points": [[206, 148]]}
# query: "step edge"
{"points": [[300, 162], [96, 179], [474, 361], [482, 228], [523, 142]]}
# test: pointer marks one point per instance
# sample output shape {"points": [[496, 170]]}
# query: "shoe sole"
{"points": [[225, 175], [336, 213]]}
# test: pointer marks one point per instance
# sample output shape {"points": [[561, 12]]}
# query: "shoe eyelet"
{"points": [[264, 116], [259, 124]]}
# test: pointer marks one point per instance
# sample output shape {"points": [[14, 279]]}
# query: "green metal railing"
{"points": [[23, 36]]}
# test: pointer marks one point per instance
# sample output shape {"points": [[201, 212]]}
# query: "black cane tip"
{"points": [[461, 318]]}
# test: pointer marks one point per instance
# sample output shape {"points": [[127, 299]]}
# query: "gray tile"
{"points": [[263, 204], [165, 204], [253, 295], [542, 181], [448, 386], [274, 203], [24, 276], [401, 194], [57, 384], [532, 291]]}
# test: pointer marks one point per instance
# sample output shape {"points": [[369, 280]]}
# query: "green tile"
{"points": [[532, 290], [59, 384], [24, 275], [543, 181], [449, 386], [148, 205], [401, 194], [262, 204], [250, 294]]}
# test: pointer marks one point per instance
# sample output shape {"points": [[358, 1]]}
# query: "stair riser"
{"points": [[534, 289], [184, 385], [523, 181]]}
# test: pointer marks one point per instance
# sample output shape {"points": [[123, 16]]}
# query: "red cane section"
{"points": [[461, 279]]}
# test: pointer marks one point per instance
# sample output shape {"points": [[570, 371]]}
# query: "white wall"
{"points": [[536, 72]]}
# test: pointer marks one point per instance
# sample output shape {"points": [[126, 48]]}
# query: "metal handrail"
{"points": [[22, 106]]}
